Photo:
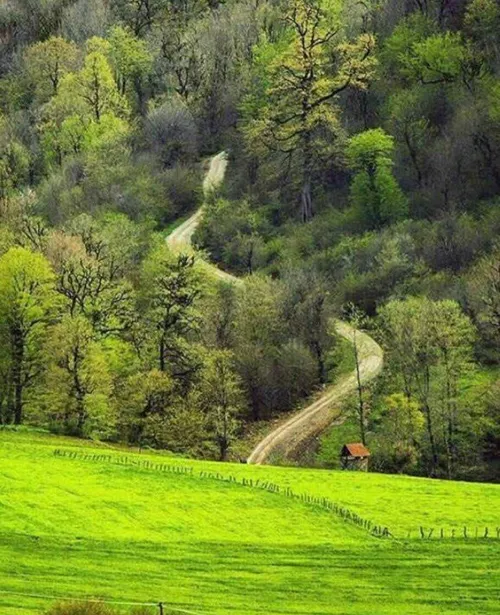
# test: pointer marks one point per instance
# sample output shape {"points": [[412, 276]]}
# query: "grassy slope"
{"points": [[81, 528]]}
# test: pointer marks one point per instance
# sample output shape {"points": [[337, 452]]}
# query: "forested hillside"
{"points": [[364, 183]]}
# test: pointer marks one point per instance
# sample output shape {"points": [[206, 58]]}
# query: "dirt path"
{"points": [[318, 415]]}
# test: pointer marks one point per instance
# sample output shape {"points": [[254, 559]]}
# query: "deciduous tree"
{"points": [[294, 112], [374, 190], [28, 304]]}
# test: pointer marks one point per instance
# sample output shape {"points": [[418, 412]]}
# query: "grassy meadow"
{"points": [[79, 528]]}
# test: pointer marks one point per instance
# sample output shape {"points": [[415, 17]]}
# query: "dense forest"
{"points": [[364, 184]]}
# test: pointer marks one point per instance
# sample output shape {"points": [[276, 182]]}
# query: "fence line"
{"points": [[162, 606], [341, 511], [465, 532]]}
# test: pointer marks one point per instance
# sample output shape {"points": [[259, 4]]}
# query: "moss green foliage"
{"points": [[135, 534]]}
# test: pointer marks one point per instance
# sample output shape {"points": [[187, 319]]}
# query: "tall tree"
{"points": [[430, 344], [78, 383], [375, 192], [132, 63], [139, 15], [171, 289], [294, 112], [223, 399], [48, 61], [27, 306]]}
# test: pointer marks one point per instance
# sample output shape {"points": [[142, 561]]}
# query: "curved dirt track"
{"points": [[318, 415]]}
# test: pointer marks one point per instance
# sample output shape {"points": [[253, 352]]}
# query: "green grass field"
{"points": [[82, 528]]}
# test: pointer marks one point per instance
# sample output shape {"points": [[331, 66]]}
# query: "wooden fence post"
{"points": [[160, 606]]}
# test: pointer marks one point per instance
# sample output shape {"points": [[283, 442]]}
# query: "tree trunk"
{"points": [[79, 393], [432, 440], [17, 372], [306, 211], [162, 355]]}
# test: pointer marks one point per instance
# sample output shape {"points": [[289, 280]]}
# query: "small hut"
{"points": [[354, 456]]}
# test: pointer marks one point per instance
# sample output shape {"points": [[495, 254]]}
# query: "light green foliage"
{"points": [[94, 86], [130, 57], [223, 399], [401, 429], [78, 385], [239, 221], [27, 303], [132, 534], [430, 344], [374, 190], [47, 62], [483, 286], [294, 110], [398, 48], [88, 111]]}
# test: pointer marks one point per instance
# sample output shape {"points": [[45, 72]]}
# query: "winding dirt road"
{"points": [[318, 415]]}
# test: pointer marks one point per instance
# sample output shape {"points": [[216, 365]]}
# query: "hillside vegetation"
{"points": [[76, 527], [363, 182]]}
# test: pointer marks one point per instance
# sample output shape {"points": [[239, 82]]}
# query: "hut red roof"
{"points": [[355, 449]]}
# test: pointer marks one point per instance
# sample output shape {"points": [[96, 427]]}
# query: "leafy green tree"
{"points": [[430, 345], [88, 110], [411, 128], [259, 334], [92, 91], [375, 193], [171, 289], [48, 61], [219, 313], [139, 15], [484, 296], [231, 233], [308, 311], [400, 430], [222, 398], [294, 111], [78, 382], [152, 411], [482, 20], [28, 304], [132, 62], [446, 58], [90, 276], [96, 87], [14, 161]]}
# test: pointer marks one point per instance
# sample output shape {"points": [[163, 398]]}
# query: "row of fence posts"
{"points": [[341, 511], [465, 532], [344, 513]]}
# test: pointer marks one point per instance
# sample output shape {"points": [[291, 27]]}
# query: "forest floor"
{"points": [[289, 435]]}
